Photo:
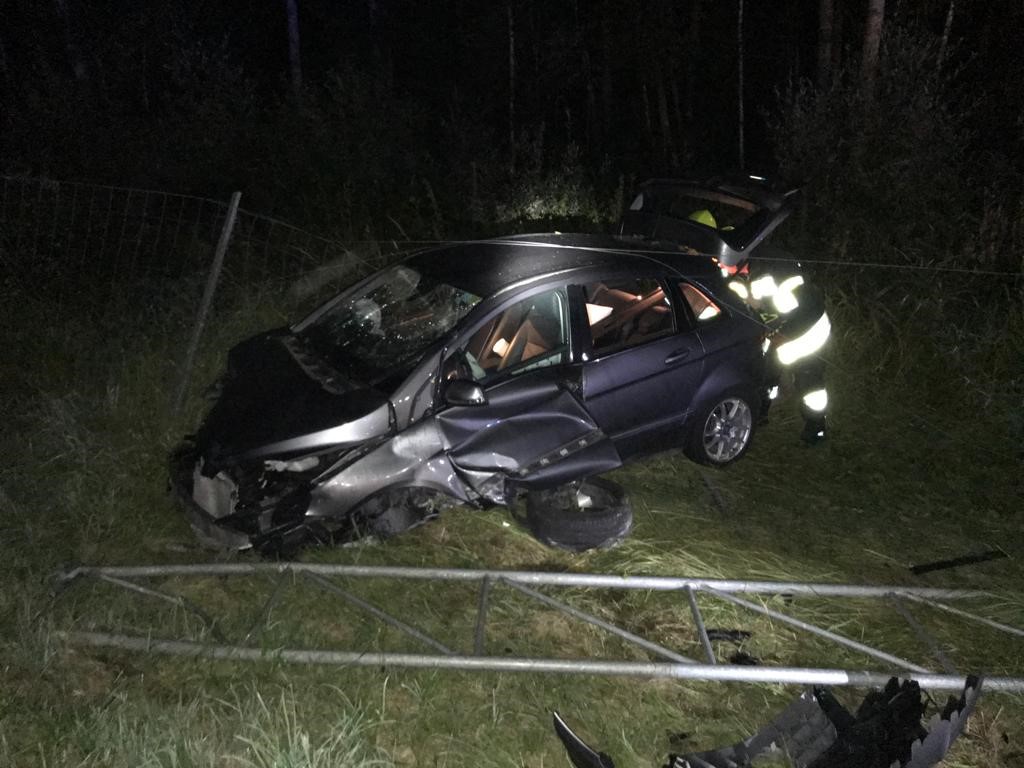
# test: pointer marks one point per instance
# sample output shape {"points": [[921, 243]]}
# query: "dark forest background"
{"points": [[426, 118]]}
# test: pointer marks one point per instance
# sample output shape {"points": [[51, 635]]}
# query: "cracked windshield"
{"points": [[385, 327]]}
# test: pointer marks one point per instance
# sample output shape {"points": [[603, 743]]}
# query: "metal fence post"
{"points": [[207, 300]]}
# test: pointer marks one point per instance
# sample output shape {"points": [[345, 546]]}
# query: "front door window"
{"points": [[530, 334]]}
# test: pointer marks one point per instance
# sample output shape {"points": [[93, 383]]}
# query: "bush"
{"points": [[897, 178]]}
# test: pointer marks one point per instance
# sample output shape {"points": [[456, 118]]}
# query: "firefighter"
{"points": [[795, 311]]}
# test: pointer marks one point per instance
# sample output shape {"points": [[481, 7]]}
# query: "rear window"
{"points": [[704, 308]]}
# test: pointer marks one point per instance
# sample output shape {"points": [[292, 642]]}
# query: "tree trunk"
{"points": [[668, 152], [739, 101], [144, 72], [693, 42], [944, 45], [826, 14], [75, 59], [511, 79], [530, 34], [380, 50], [837, 48], [872, 42], [588, 78], [5, 75], [647, 112], [291, 8], [681, 139], [606, 77], [590, 133]]}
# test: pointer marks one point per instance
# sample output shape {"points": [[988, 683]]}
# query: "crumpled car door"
{"points": [[532, 431]]}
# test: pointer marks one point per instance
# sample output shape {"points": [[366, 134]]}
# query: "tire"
{"points": [[591, 514], [723, 429]]}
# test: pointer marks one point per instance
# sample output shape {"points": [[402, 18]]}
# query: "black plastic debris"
{"points": [[944, 728], [956, 562], [882, 731], [816, 731], [580, 754], [744, 659], [802, 731], [729, 635]]}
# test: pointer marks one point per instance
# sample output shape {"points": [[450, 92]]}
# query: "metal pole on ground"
{"points": [[655, 670], [531, 578], [207, 300]]}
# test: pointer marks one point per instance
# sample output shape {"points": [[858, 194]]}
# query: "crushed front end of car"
{"points": [[316, 431], [248, 477]]}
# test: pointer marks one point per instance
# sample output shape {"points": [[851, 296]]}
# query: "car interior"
{"points": [[532, 330], [620, 318], [704, 309]]}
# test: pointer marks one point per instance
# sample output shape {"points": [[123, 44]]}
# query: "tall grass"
{"points": [[922, 465], [249, 729]]}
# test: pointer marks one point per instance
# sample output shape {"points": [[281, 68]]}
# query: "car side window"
{"points": [[529, 334], [704, 308], [625, 313]]}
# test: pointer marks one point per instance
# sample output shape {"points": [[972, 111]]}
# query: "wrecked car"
{"points": [[477, 372]]}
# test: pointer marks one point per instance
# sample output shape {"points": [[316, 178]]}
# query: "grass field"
{"points": [[923, 463]]}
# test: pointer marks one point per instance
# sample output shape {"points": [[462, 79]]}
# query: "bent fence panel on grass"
{"points": [[670, 663]]}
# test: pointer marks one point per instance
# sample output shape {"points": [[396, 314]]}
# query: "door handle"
{"points": [[675, 357]]}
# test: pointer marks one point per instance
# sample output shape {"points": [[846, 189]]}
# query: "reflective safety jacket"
{"points": [[792, 310]]}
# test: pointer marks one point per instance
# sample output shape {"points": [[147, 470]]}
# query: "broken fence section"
{"points": [[442, 655]]}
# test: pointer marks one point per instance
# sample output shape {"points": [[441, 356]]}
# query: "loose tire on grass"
{"points": [[723, 429], [556, 517]]}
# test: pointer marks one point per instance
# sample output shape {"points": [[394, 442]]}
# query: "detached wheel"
{"points": [[723, 429], [592, 514]]}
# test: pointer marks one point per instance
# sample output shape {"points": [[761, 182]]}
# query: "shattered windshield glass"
{"points": [[384, 328]]}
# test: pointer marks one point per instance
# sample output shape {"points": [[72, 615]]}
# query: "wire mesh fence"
{"points": [[70, 236], [100, 257]]}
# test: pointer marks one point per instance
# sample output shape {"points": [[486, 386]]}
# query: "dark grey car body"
{"points": [[297, 445]]}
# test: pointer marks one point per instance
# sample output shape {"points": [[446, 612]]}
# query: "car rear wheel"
{"points": [[591, 514], [723, 429]]}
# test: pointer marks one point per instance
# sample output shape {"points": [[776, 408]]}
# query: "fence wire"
{"points": [[66, 237], [89, 258]]}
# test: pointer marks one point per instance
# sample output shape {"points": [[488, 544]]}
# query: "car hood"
{"points": [[278, 399]]}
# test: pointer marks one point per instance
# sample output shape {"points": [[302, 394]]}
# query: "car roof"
{"points": [[485, 267]]}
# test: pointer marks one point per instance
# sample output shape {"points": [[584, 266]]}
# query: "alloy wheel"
{"points": [[727, 430]]}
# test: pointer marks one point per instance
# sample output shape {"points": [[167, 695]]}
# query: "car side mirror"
{"points": [[464, 392]]}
